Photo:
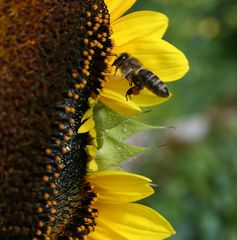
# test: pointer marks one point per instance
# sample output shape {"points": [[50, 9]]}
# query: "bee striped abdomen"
{"points": [[153, 83], [139, 77]]}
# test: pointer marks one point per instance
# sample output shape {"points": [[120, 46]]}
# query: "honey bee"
{"points": [[139, 76]]}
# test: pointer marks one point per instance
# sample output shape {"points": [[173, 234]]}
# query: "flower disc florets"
{"points": [[53, 58]]}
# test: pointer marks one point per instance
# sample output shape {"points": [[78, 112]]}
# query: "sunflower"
{"points": [[140, 34], [52, 60], [118, 217]]}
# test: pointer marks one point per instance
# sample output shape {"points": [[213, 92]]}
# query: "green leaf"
{"points": [[106, 118], [119, 126], [112, 129], [114, 152], [129, 127]]}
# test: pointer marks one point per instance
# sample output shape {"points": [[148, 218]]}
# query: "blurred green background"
{"points": [[196, 169]]}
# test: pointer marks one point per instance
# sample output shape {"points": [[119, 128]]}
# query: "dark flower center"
{"points": [[52, 58]]}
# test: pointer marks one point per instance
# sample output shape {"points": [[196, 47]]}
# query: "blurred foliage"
{"points": [[197, 177]]}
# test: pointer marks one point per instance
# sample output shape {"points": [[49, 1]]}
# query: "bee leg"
{"points": [[135, 90], [129, 79], [129, 93], [116, 69]]}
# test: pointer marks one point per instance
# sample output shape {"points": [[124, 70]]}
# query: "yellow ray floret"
{"points": [[128, 187], [118, 218], [122, 34], [118, 7], [87, 125]]}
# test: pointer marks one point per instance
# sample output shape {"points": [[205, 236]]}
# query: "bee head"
{"points": [[120, 60]]}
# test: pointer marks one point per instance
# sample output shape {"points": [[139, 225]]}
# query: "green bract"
{"points": [[112, 130]]}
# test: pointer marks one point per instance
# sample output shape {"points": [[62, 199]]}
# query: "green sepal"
{"points": [[114, 152], [129, 127], [105, 118], [112, 129], [119, 126]]}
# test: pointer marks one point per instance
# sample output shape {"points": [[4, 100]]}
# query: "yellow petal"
{"points": [[87, 114], [138, 24], [103, 232], [92, 133], [87, 126], [118, 103], [91, 150], [118, 7], [92, 101], [118, 187], [93, 139], [92, 166], [159, 56], [134, 221]]}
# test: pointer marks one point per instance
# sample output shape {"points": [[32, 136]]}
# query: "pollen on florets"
{"points": [[85, 79], [84, 219], [56, 61]]}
